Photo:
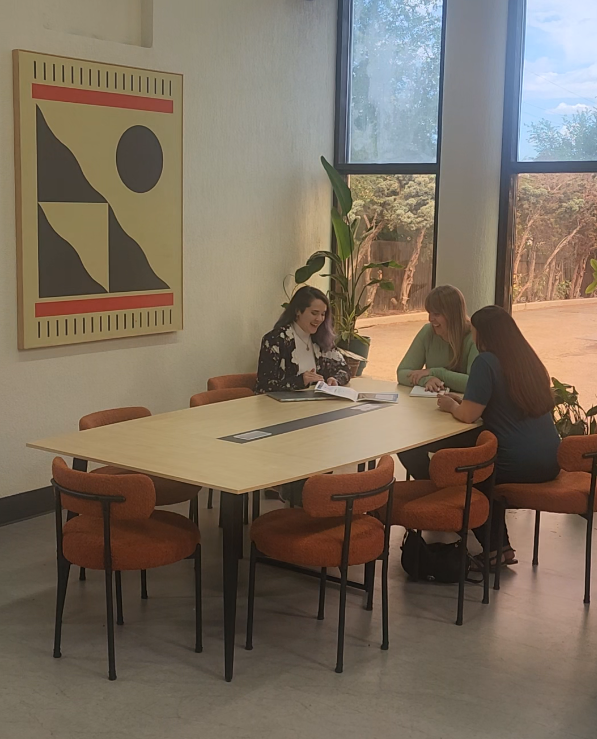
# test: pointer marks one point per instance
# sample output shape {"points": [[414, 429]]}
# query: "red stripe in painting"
{"points": [[97, 97], [100, 305]]}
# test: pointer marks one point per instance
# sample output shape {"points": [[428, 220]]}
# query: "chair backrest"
{"points": [[114, 415], [571, 451], [248, 380], [138, 490], [319, 490], [219, 396], [444, 463]]}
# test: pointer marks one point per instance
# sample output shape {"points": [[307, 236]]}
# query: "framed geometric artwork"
{"points": [[98, 152]]}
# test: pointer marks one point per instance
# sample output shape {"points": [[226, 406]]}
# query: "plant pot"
{"points": [[356, 346]]}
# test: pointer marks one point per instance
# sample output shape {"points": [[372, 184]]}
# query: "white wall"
{"points": [[259, 92], [471, 147]]}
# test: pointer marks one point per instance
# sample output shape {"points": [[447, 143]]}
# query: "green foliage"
{"points": [[569, 416], [349, 278], [576, 140]]}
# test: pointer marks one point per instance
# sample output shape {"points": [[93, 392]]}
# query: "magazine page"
{"points": [[347, 393], [378, 397]]}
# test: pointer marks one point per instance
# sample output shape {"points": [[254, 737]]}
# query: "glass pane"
{"points": [[395, 81], [400, 209], [559, 97], [556, 238]]}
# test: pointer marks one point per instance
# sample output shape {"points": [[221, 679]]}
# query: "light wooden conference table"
{"points": [[294, 440]]}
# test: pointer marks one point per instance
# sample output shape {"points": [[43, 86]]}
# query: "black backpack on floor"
{"points": [[437, 562]]}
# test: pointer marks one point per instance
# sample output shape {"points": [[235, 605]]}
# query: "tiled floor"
{"points": [[524, 667]]}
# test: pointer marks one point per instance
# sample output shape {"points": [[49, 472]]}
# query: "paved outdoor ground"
{"points": [[564, 336]]}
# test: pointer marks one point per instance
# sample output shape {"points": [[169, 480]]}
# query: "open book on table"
{"points": [[348, 393], [420, 392]]}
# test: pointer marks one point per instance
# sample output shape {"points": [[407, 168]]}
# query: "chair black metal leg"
{"points": [[63, 572], [198, 602], [256, 504], [194, 510], [341, 620], [246, 509], [210, 499], [119, 614], [588, 557], [462, 578], [322, 583], [501, 512], [385, 619], [82, 575], [220, 521], [110, 626], [370, 584], [536, 540], [251, 598], [486, 546], [143, 584]]}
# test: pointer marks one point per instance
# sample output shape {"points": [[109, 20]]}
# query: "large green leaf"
{"points": [[327, 254], [314, 265], [341, 189], [594, 264], [384, 284], [592, 411], [343, 235], [591, 288]]}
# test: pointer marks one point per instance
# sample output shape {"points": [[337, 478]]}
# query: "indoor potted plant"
{"points": [[351, 274], [569, 416]]}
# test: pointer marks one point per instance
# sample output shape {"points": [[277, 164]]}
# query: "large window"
{"points": [[548, 225], [388, 136], [395, 74]]}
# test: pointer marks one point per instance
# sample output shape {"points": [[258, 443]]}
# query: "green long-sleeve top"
{"points": [[430, 351]]}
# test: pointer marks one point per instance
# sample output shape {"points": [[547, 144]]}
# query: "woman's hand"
{"points": [[447, 404], [417, 375], [454, 396], [311, 377], [332, 381], [434, 385]]}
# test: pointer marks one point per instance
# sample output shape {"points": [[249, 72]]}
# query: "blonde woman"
{"points": [[443, 351], [440, 357]]}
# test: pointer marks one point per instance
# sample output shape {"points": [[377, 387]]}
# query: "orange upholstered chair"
{"points": [[220, 396], [167, 492], [449, 501], [117, 529], [573, 491], [223, 382], [331, 530]]}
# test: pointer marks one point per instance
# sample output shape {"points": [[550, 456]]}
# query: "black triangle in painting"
{"points": [[60, 178], [61, 271], [129, 267]]}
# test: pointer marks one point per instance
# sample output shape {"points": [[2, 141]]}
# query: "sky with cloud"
{"points": [[560, 67]]}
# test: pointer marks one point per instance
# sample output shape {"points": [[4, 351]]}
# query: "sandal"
{"points": [[478, 563]]}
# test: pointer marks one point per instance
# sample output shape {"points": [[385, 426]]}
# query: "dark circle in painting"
{"points": [[139, 159]]}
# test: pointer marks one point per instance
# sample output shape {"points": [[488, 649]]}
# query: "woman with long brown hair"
{"points": [[440, 357], [509, 388]]}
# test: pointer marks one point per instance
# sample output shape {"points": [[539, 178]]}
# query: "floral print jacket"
{"points": [[278, 371]]}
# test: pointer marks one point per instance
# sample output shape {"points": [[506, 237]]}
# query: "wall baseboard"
{"points": [[18, 507]]}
